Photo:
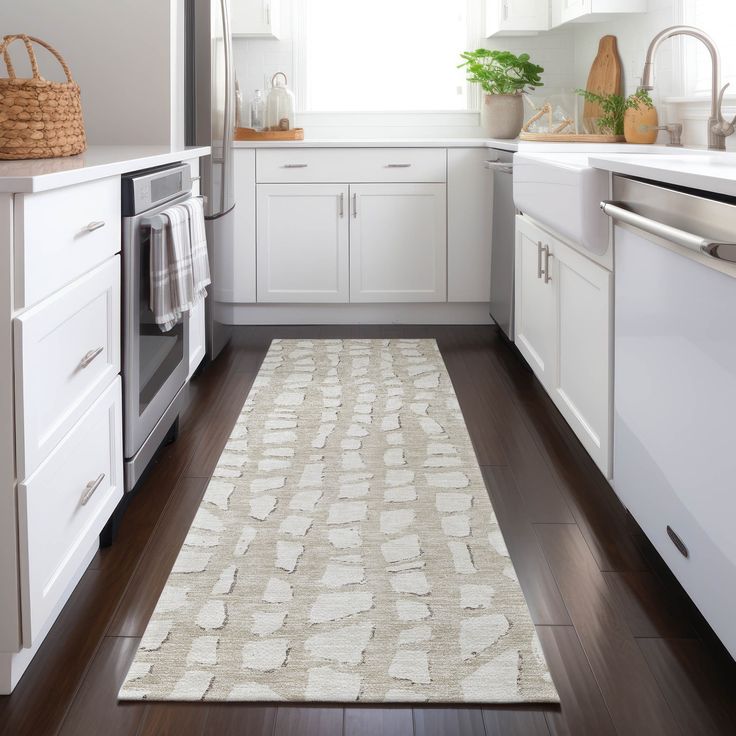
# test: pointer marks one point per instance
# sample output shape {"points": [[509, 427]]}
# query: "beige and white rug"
{"points": [[346, 548]]}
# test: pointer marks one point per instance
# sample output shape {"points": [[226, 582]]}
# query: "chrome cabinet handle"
{"points": [[95, 226], [355, 205], [342, 205], [722, 251], [90, 488], [505, 10], [547, 256], [89, 357], [268, 13], [295, 166], [398, 166], [539, 259]]}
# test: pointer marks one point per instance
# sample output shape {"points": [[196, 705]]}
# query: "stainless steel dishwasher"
{"points": [[503, 240], [674, 463]]}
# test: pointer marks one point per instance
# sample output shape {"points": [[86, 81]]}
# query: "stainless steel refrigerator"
{"points": [[210, 121]]}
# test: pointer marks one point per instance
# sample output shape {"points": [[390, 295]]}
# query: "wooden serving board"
{"points": [[248, 134], [604, 79], [572, 138]]}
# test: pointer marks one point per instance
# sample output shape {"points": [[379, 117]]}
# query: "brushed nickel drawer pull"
{"points": [[295, 166], [355, 205], [89, 357], [681, 547], [539, 259], [90, 488], [547, 256], [95, 226], [342, 205], [398, 166]]}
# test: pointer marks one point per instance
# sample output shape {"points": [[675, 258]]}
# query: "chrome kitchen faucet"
{"points": [[718, 127]]}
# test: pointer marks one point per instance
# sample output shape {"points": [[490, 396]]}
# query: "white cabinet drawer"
{"points": [[62, 234], [63, 506], [67, 350], [358, 165]]}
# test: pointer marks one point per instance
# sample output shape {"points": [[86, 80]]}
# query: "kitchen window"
{"points": [[385, 56], [718, 20]]}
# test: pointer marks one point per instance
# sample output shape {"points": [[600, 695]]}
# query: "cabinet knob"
{"points": [[90, 488]]}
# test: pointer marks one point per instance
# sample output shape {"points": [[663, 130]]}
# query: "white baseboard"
{"points": [[354, 314], [14, 664]]}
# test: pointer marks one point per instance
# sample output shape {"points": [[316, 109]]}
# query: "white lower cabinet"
{"points": [[63, 506], [302, 251], [564, 330], [398, 243], [197, 348], [534, 303]]}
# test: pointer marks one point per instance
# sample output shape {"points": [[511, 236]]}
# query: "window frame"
{"points": [[370, 119]]}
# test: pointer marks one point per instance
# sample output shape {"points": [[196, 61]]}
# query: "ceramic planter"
{"points": [[502, 115]]}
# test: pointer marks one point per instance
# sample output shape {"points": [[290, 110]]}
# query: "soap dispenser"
{"points": [[280, 104]]}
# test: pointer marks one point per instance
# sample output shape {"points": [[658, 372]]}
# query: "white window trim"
{"points": [[433, 119]]}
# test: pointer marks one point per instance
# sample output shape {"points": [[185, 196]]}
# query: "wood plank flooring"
{"points": [[628, 651]]}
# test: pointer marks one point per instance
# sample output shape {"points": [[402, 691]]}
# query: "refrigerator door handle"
{"points": [[227, 131]]}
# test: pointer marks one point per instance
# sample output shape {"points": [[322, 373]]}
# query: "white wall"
{"points": [[120, 53], [257, 60]]}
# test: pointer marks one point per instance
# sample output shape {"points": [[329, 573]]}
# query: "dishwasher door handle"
{"points": [[716, 249]]}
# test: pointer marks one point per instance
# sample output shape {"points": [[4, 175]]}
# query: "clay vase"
{"points": [[502, 115], [640, 124]]}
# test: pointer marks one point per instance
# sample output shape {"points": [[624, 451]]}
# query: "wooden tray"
{"points": [[248, 134], [571, 138]]}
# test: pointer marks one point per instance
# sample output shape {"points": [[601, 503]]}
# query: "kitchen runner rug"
{"points": [[345, 549]]}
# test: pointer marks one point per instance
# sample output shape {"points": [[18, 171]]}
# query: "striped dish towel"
{"points": [[198, 236]]}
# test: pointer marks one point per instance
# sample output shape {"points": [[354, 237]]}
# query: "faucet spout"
{"points": [[718, 128]]}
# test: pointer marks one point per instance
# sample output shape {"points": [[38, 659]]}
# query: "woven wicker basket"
{"points": [[38, 118]]}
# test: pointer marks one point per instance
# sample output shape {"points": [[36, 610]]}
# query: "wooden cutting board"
{"points": [[604, 78]]}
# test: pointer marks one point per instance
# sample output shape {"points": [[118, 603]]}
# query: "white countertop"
{"points": [[506, 145], [96, 162], [711, 171]]}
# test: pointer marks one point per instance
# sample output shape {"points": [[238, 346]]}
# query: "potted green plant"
{"points": [[614, 108], [504, 77]]}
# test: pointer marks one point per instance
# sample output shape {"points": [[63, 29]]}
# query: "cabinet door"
{"points": [[196, 326], [516, 16], [534, 302], [255, 18], [571, 9], [302, 248], [398, 243], [582, 381], [469, 198]]}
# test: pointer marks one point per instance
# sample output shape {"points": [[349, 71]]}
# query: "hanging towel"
{"points": [[198, 238], [171, 281]]}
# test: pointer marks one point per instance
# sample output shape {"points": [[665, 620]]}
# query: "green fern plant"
{"points": [[501, 72]]}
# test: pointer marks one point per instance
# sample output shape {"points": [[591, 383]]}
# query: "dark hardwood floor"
{"points": [[629, 653]]}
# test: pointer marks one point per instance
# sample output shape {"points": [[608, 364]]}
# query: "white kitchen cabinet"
{"points": [[564, 330], [65, 504], [234, 280], [67, 351], [398, 243], [534, 303], [196, 325], [303, 243], [583, 375], [255, 18], [516, 17], [469, 210], [565, 11]]}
